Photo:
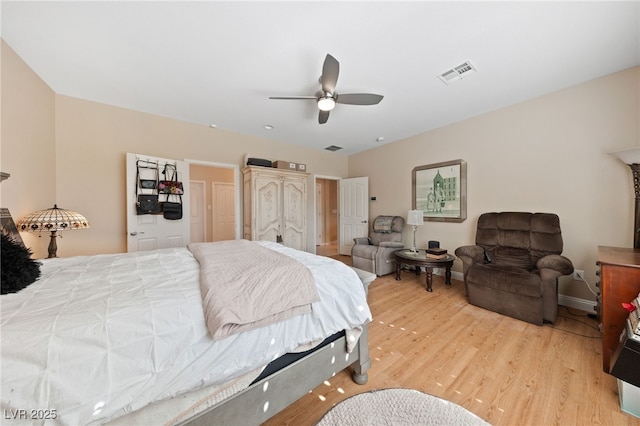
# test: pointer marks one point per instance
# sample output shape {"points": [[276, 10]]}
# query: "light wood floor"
{"points": [[330, 250], [506, 371]]}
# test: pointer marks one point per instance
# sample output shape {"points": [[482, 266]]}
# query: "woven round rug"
{"points": [[398, 407]]}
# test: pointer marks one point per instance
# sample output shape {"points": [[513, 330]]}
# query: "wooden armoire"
{"points": [[275, 206]]}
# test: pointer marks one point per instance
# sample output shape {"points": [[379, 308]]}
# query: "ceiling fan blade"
{"points": [[323, 117], [330, 71], [293, 97], [358, 98]]}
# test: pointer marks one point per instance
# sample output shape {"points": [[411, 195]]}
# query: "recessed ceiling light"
{"points": [[213, 126], [380, 139], [268, 127]]}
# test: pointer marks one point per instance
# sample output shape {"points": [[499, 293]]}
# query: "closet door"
{"points": [[294, 212], [268, 206]]}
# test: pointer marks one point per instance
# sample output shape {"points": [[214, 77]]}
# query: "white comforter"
{"points": [[101, 336]]}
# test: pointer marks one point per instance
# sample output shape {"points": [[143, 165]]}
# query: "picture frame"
{"points": [[440, 191]]}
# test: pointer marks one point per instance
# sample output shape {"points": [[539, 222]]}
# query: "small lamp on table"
{"points": [[415, 218]]}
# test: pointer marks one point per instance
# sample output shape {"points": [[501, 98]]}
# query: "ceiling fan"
{"points": [[328, 98]]}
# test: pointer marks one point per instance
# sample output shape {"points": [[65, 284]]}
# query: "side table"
{"points": [[420, 259]]}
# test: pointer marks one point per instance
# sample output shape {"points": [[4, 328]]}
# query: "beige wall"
{"points": [[545, 155], [210, 174], [27, 142], [73, 153]]}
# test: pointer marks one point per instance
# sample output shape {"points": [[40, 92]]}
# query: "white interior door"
{"points": [[354, 211], [149, 232], [319, 215], [198, 222], [224, 215]]}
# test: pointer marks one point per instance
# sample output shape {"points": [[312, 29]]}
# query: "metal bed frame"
{"points": [[265, 398]]}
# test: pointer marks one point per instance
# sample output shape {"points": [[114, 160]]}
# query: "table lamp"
{"points": [[632, 158], [415, 218], [53, 220]]}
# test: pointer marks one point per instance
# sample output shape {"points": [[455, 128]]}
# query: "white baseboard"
{"points": [[576, 303], [457, 275], [454, 275]]}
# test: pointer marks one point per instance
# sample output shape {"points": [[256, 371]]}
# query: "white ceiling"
{"points": [[218, 62]]}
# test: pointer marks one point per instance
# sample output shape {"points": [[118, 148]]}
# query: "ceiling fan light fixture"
{"points": [[327, 98], [326, 103]]}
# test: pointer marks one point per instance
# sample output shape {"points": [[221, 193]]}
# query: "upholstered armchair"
{"points": [[514, 267], [375, 254]]}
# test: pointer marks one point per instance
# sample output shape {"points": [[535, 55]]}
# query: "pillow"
{"points": [[18, 269], [383, 224]]}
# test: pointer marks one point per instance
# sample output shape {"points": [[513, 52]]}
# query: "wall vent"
{"points": [[333, 148], [457, 73]]}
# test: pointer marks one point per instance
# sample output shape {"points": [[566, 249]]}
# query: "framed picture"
{"points": [[440, 191]]}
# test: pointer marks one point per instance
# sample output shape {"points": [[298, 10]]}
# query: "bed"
{"points": [[127, 338]]}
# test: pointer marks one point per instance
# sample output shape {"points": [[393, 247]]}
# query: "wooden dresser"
{"points": [[619, 282]]}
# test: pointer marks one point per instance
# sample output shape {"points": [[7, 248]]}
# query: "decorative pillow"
{"points": [[18, 269], [383, 224]]}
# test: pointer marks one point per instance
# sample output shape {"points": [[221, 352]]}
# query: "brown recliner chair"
{"points": [[514, 267], [376, 253]]}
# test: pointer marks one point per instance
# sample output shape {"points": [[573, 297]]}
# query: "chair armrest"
{"points": [[391, 244], [475, 254], [557, 263], [362, 240], [470, 255]]}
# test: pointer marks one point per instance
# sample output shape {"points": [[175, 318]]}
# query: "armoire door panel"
{"points": [[294, 205], [276, 201], [293, 239], [267, 208]]}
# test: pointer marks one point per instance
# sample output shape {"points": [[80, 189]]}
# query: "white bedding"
{"points": [[97, 337]]}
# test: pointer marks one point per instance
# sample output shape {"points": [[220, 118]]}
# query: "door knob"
{"points": [[364, 221], [134, 233]]}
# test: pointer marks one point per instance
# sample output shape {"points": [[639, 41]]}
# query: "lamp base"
{"points": [[414, 250], [53, 247]]}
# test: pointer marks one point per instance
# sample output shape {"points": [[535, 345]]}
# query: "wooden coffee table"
{"points": [[407, 257]]}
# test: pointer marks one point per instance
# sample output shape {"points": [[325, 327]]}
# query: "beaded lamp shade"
{"points": [[53, 220]]}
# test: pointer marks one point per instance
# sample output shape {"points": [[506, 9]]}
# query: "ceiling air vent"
{"points": [[458, 72], [333, 148]]}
